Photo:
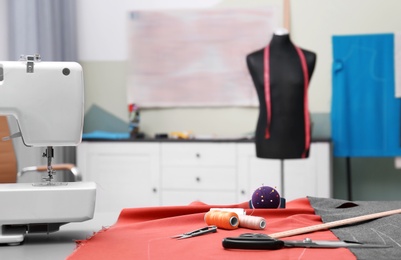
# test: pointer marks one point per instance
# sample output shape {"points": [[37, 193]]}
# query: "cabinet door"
{"points": [[254, 172], [126, 174], [310, 176]]}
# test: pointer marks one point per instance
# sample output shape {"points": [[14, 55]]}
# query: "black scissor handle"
{"points": [[252, 241]]}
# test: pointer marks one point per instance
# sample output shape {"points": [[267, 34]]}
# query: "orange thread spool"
{"points": [[252, 222], [222, 219]]}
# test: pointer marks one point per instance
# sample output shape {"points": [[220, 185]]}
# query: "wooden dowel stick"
{"points": [[336, 223], [287, 15]]}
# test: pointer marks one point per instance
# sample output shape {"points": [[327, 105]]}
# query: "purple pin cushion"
{"points": [[266, 197]]}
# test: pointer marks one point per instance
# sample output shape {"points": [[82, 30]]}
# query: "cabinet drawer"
{"points": [[198, 154], [187, 197], [202, 178]]}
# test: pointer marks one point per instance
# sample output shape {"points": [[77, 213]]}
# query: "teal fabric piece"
{"points": [[105, 135], [365, 115]]}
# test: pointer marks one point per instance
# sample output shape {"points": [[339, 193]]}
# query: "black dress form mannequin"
{"points": [[284, 113]]}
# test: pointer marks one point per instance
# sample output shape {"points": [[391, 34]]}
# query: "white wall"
{"points": [[103, 42], [315, 21], [103, 37], [102, 31]]}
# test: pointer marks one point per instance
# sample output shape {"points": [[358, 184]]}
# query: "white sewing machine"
{"points": [[47, 99]]}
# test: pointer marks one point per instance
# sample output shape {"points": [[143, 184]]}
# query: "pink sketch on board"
{"points": [[195, 57]]}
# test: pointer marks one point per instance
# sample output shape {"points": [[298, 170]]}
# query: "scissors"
{"points": [[197, 232], [264, 242]]}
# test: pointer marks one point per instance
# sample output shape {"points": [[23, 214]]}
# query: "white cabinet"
{"points": [[126, 173], [293, 178], [254, 172], [138, 174], [198, 171], [311, 176]]}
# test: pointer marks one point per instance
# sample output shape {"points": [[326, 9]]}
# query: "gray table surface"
{"points": [[60, 244]]}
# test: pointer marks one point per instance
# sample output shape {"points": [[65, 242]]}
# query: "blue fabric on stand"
{"points": [[365, 115]]}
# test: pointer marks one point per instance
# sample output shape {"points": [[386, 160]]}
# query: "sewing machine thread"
{"points": [[252, 222], [231, 220], [222, 219]]}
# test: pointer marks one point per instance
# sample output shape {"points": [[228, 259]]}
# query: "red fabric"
{"points": [[144, 233]]}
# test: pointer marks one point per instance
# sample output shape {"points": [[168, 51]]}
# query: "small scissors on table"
{"points": [[197, 232]]}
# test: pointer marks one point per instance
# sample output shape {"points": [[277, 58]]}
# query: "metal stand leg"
{"points": [[282, 177], [349, 178]]}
